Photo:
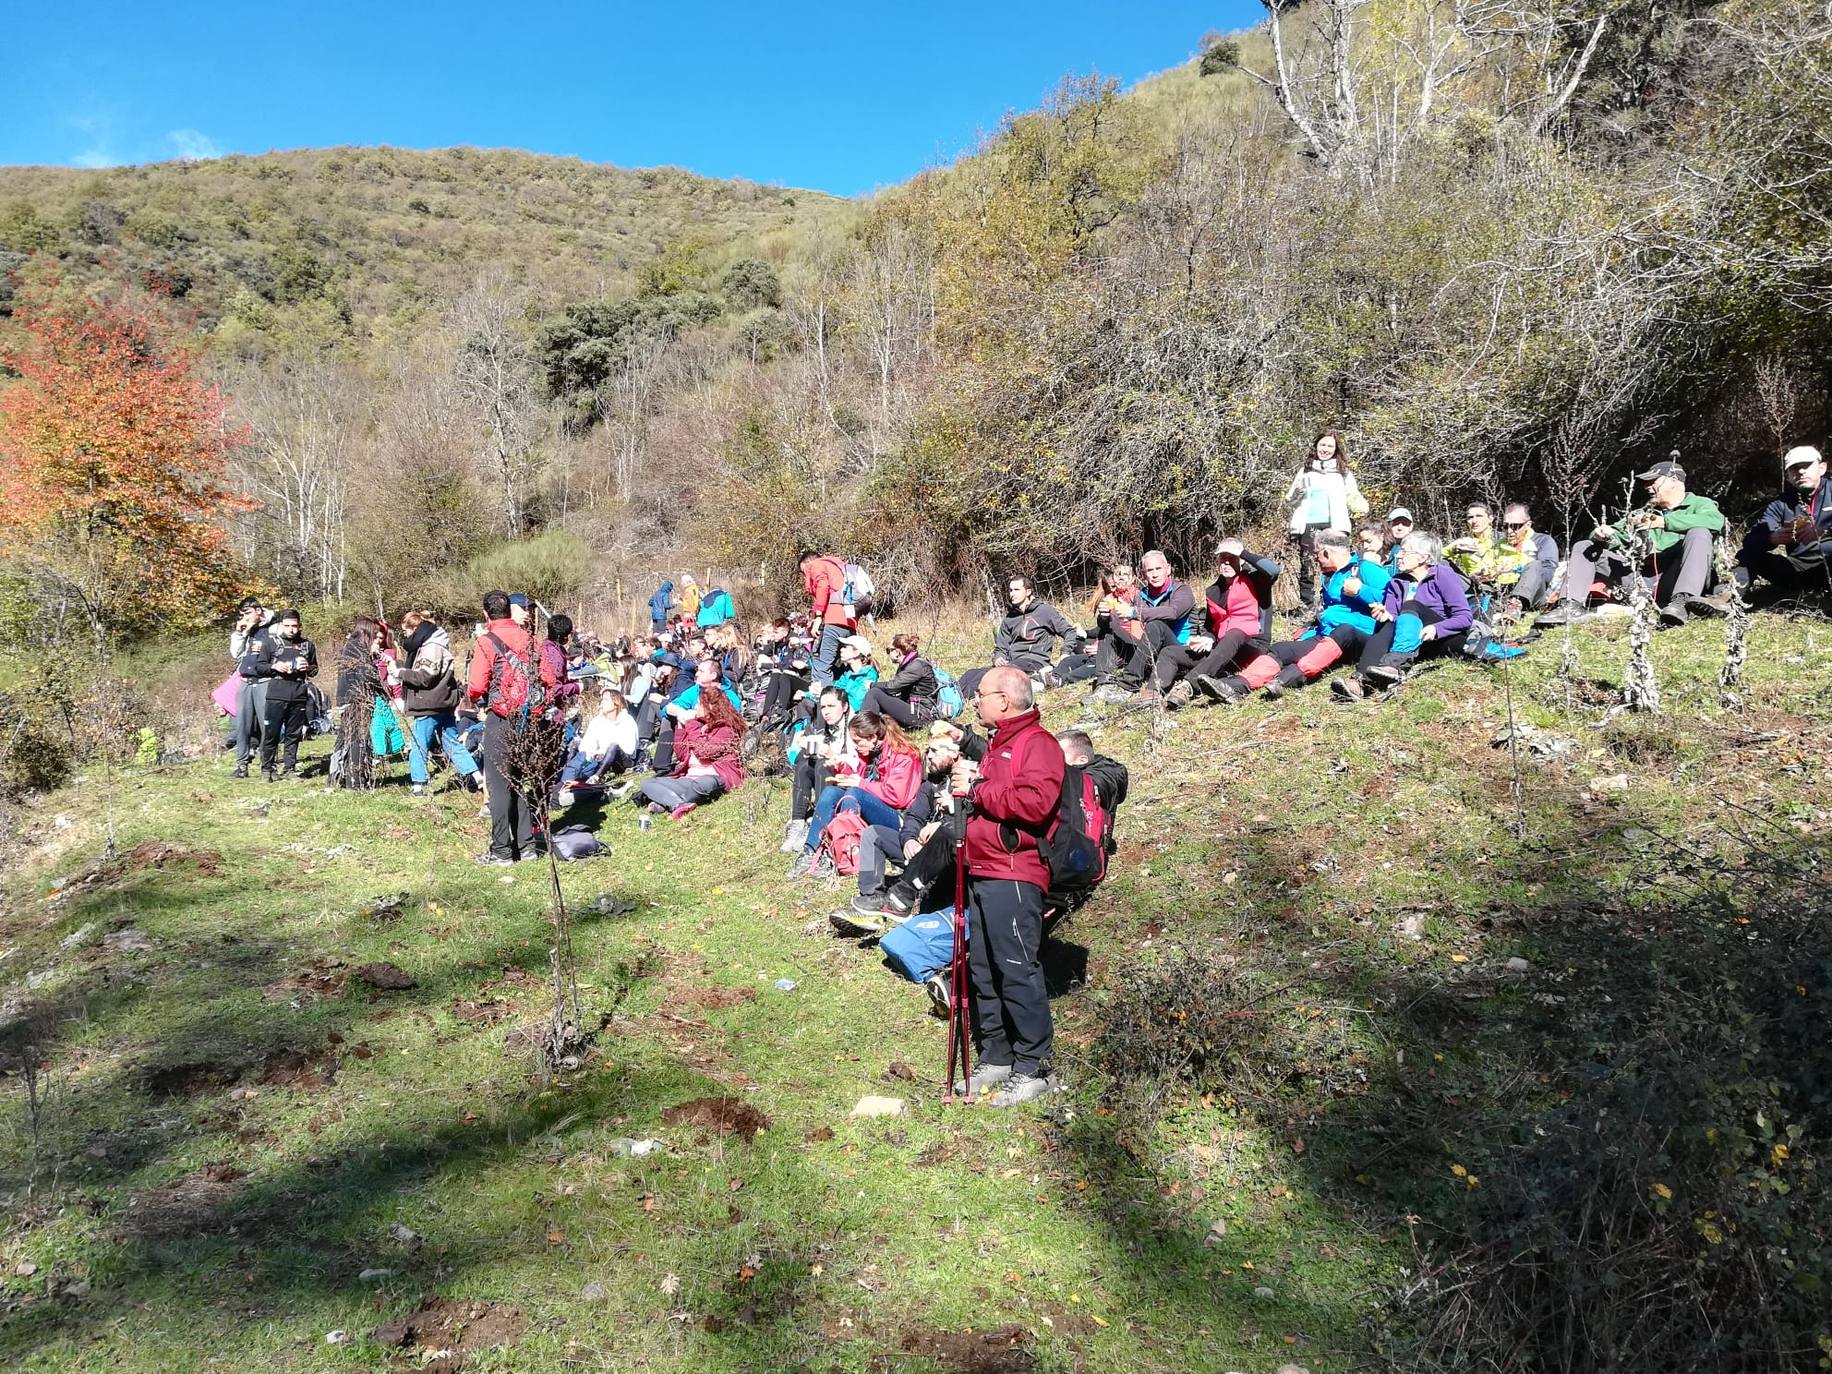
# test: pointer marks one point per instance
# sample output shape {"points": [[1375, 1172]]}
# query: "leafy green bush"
{"points": [[551, 566]]}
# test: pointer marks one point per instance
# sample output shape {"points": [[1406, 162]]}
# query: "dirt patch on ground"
{"points": [[717, 998], [726, 1115], [317, 981], [156, 854], [484, 1011], [1004, 1351], [440, 1334], [188, 1079], [306, 1070], [386, 976], [191, 1206]]}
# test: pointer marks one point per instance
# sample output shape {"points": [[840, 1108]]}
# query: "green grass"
{"points": [[1288, 841]]}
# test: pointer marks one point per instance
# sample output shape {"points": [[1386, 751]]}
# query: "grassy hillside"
{"points": [[1308, 1086], [381, 232]]}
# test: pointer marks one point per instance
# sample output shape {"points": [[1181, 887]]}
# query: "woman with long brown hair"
{"points": [[359, 687], [708, 758], [880, 785], [1322, 496]]}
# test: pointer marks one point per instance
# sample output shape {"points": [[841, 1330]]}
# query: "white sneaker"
{"points": [[984, 1079], [794, 837], [1024, 1087]]}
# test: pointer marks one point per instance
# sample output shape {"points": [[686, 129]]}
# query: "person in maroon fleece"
{"points": [[1013, 796]]}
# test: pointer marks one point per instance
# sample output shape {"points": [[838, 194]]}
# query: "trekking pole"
{"points": [[957, 973]]}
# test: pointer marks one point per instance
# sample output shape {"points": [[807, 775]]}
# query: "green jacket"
{"points": [[1694, 513]]}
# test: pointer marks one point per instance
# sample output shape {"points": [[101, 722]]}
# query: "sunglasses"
{"points": [[1514, 525]]}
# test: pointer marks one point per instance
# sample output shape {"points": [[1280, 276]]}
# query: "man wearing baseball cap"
{"points": [[1789, 543], [1680, 526]]}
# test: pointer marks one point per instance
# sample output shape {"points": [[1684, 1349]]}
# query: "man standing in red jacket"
{"points": [[1014, 794], [824, 577], [500, 679]]}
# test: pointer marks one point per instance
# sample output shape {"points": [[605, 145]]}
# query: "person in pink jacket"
{"points": [[885, 780]]}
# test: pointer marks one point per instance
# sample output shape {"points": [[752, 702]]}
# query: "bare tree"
{"points": [[494, 368]]}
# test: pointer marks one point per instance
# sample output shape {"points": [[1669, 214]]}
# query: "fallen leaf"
{"points": [[556, 1237]]}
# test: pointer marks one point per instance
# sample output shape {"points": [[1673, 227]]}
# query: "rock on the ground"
{"points": [[1264, 1294], [387, 976], [879, 1106], [594, 1292], [406, 1235], [1412, 927], [1518, 967], [129, 941], [374, 1275], [1609, 784]]}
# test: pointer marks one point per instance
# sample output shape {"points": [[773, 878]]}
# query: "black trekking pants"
{"points": [[511, 825], [285, 716], [1011, 1006]]}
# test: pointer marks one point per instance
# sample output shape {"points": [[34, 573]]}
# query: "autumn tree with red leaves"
{"points": [[112, 469]]}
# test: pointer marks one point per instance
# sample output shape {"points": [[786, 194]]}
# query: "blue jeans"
{"points": [[579, 768], [875, 810], [826, 649], [446, 724]]}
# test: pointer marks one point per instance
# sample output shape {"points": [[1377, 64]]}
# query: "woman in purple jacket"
{"points": [[1426, 611]]}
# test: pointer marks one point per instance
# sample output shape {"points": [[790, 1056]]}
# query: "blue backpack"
{"points": [[949, 700], [922, 946]]}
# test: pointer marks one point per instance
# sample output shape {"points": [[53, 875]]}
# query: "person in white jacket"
{"points": [[1322, 496], [608, 744]]}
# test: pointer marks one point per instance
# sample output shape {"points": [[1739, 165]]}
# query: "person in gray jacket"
{"points": [[1026, 638], [1540, 569]]}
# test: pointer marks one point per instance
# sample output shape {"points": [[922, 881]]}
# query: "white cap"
{"points": [[1803, 456], [1399, 513]]}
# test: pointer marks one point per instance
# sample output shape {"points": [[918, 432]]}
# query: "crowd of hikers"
{"points": [[957, 813]]}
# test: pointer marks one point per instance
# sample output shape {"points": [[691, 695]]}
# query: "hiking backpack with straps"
{"points": [[948, 700], [510, 684], [1075, 849], [859, 589], [841, 839]]}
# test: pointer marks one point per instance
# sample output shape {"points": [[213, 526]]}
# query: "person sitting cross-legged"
{"points": [[1679, 527]]}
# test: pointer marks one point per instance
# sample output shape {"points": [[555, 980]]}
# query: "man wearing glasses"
{"points": [[1013, 795], [1536, 555]]}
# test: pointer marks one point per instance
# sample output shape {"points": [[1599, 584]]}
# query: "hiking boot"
{"points": [[1052, 678], [1275, 689], [876, 904], [684, 809], [794, 837], [1565, 613], [824, 866], [1382, 676], [1673, 616], [621, 790], [851, 922], [984, 1079], [1024, 1087], [1112, 694], [241, 771], [1349, 688], [1150, 695], [1179, 694], [418, 789], [1714, 605], [269, 775], [288, 773], [491, 859], [941, 999], [802, 867]]}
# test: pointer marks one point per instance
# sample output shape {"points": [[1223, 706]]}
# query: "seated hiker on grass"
{"points": [[858, 670], [1679, 527], [705, 681], [1116, 631], [1353, 585], [725, 643], [884, 847], [784, 664], [708, 759], [1026, 638], [1165, 614], [1481, 555], [911, 696], [1535, 562], [1426, 611], [817, 749], [883, 779], [607, 746], [1238, 618], [1399, 525], [1791, 542]]}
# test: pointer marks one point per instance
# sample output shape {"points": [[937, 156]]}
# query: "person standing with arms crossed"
{"points": [[1014, 795]]}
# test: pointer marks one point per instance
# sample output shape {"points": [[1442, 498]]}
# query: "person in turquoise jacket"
{"points": [[715, 609]]}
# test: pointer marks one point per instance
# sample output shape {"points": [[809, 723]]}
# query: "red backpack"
{"points": [[508, 679], [1075, 849], [842, 838]]}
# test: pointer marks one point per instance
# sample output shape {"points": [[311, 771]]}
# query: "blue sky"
{"points": [[838, 97]]}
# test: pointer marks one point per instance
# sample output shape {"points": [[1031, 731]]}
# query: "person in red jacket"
{"points": [[501, 664], [1239, 613], [708, 759], [1013, 796], [879, 784], [824, 577]]}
